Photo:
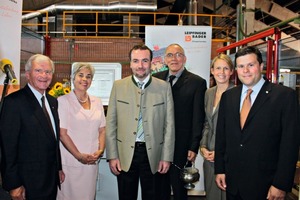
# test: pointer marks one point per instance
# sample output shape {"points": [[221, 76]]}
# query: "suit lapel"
{"points": [[182, 80], [235, 101], [53, 107], [260, 100], [38, 112], [210, 102]]}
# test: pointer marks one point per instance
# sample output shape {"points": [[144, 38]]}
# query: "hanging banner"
{"points": [[10, 40], [196, 42]]}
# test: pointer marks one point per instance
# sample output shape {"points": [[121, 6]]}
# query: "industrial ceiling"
{"points": [[267, 13]]}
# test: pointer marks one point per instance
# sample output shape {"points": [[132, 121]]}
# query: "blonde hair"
{"points": [[224, 57]]}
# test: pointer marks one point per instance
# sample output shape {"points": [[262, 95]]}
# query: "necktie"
{"points": [[245, 108], [140, 130], [171, 78], [47, 114], [140, 84]]}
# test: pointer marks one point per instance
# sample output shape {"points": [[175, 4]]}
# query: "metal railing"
{"points": [[126, 25]]}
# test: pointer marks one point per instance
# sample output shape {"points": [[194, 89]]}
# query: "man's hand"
{"points": [[191, 156], [18, 193], [276, 194], [163, 167], [115, 166], [220, 180]]}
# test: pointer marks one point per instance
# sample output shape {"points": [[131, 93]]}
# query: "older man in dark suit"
{"points": [[31, 163], [188, 93], [256, 153]]}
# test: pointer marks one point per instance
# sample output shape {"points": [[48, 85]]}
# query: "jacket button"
{"points": [[134, 133]]}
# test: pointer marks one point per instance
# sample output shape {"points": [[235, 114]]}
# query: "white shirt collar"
{"points": [[145, 81]]}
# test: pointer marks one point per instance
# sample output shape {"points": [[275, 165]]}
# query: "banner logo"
{"points": [[195, 36]]}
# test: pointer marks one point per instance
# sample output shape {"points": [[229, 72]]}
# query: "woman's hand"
{"points": [[208, 155], [99, 153], [88, 159]]}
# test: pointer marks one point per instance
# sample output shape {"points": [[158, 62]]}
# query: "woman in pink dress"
{"points": [[82, 135]]}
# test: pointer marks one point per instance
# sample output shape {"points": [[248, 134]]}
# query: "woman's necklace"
{"points": [[82, 101]]}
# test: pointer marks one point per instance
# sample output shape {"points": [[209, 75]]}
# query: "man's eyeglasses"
{"points": [[40, 71], [177, 55]]}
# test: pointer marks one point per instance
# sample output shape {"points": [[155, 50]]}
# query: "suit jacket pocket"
{"points": [[120, 101], [159, 104]]}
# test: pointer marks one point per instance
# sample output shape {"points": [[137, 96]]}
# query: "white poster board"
{"points": [[104, 77], [196, 41], [10, 35]]}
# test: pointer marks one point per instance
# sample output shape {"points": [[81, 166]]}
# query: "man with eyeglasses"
{"points": [[31, 163], [140, 129], [188, 93]]}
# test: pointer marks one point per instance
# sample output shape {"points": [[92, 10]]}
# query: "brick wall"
{"points": [[64, 52]]}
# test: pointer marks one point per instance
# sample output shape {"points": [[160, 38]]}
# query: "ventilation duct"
{"points": [[113, 6]]}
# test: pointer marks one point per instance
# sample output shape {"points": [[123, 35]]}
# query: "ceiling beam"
{"points": [[277, 11]]}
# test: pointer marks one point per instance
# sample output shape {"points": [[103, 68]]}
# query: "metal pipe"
{"points": [[276, 54], [277, 25], [190, 8], [269, 59], [248, 40], [47, 45], [238, 14], [110, 7], [195, 8]]}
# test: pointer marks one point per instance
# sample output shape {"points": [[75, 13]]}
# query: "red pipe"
{"points": [[269, 59], [276, 55], [47, 45], [248, 40]]}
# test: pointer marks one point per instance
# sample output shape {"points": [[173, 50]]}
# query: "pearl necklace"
{"points": [[82, 101]]}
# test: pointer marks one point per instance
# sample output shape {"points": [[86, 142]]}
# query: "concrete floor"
{"points": [[4, 196]]}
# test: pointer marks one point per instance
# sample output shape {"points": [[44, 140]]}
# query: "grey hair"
{"points": [[78, 66], [175, 44], [37, 58]]}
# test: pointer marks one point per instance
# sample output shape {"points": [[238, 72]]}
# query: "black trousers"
{"points": [[179, 191], [151, 184], [230, 196]]}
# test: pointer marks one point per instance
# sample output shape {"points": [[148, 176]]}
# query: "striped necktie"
{"points": [[140, 130]]}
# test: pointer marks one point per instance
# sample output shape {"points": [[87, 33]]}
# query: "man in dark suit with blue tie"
{"points": [[255, 157], [188, 91], [31, 164]]}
